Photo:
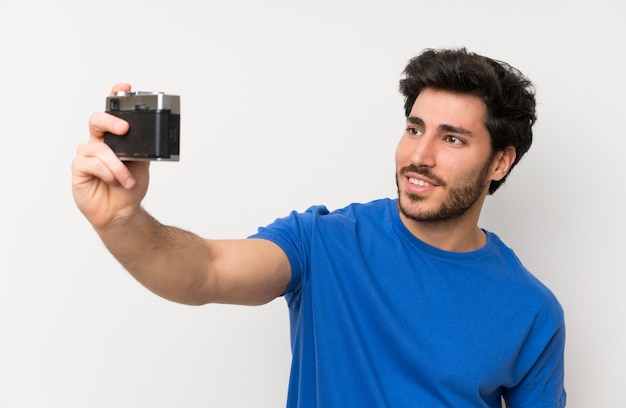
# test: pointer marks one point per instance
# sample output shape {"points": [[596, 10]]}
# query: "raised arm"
{"points": [[173, 263]]}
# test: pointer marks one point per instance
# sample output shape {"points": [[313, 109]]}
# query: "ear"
{"points": [[502, 163]]}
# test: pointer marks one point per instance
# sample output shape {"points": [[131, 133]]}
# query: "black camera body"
{"points": [[154, 119]]}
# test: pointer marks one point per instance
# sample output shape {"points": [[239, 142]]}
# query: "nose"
{"points": [[424, 151]]}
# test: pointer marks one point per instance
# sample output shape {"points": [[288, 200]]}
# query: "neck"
{"points": [[460, 234]]}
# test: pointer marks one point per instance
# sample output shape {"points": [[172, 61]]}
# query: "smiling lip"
{"points": [[417, 183]]}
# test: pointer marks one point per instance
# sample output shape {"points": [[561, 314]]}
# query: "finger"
{"points": [[120, 87], [98, 160], [86, 169], [101, 122]]}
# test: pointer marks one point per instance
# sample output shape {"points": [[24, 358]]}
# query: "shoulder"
{"points": [[359, 209], [376, 209], [525, 287]]}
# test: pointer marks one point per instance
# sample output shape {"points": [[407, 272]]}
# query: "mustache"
{"points": [[424, 171]]}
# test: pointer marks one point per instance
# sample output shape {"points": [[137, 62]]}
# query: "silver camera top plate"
{"points": [[140, 100]]}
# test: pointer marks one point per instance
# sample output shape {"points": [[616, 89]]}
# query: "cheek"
{"points": [[403, 154]]}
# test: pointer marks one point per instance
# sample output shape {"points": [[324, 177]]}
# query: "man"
{"points": [[395, 303]]}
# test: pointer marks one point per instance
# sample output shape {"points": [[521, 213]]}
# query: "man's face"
{"points": [[444, 161]]}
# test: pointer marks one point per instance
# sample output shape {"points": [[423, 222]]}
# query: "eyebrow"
{"points": [[444, 128]]}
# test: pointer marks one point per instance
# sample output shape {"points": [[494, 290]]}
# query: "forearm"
{"points": [[170, 262]]}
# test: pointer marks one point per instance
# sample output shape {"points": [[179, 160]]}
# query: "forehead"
{"points": [[436, 108]]}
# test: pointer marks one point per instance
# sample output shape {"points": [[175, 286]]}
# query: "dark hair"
{"points": [[508, 94]]}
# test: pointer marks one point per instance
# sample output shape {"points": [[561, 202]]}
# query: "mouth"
{"points": [[419, 182], [416, 185], [421, 176]]}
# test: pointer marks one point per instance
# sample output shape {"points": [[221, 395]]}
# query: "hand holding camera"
{"points": [[106, 189]]}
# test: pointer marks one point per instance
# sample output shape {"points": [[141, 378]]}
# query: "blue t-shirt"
{"points": [[381, 319]]}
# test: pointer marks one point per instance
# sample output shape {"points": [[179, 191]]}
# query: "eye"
{"points": [[414, 131], [454, 140]]}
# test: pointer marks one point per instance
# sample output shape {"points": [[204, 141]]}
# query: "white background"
{"points": [[285, 104]]}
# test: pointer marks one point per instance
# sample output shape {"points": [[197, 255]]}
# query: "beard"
{"points": [[461, 197]]}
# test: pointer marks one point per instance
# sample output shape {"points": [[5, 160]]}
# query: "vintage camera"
{"points": [[154, 119]]}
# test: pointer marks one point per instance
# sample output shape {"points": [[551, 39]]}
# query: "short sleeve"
{"points": [[542, 385], [293, 235]]}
